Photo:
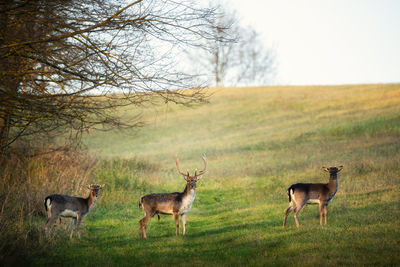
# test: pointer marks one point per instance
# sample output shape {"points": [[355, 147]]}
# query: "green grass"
{"points": [[258, 141]]}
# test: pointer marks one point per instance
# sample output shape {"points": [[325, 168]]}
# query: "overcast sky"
{"points": [[328, 41]]}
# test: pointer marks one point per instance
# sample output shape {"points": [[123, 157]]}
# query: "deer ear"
{"points": [[101, 186], [88, 186], [325, 169], [340, 168]]}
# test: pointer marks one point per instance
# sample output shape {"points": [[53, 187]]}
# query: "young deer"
{"points": [[74, 207], [177, 203], [302, 194]]}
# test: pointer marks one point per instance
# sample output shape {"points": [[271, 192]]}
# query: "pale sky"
{"points": [[328, 41]]}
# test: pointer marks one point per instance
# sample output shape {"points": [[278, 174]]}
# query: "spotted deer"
{"points": [[301, 194], [57, 205], [177, 203]]}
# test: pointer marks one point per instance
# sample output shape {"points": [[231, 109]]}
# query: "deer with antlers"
{"points": [[177, 203]]}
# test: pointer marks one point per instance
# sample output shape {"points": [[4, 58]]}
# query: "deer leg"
{"points": [[60, 223], [184, 223], [326, 213], [321, 212], [288, 210], [79, 226], [297, 210], [73, 228], [142, 225], [176, 218], [50, 220]]}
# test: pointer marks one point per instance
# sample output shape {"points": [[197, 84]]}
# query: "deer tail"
{"points": [[47, 202], [140, 203], [289, 194]]}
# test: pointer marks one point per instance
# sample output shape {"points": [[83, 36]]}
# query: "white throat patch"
{"points": [[187, 202]]}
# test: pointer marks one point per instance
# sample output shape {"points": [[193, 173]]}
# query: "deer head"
{"points": [[191, 180], [94, 189], [333, 170]]}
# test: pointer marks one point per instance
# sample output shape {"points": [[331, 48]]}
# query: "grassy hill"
{"points": [[258, 141]]}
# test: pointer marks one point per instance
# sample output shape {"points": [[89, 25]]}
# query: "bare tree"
{"points": [[219, 60], [244, 60], [255, 63], [67, 64]]}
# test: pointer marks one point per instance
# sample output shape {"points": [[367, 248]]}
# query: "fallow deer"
{"points": [[301, 194], [177, 203], [74, 207]]}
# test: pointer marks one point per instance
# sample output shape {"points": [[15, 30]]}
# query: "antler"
{"points": [[177, 167], [205, 166]]}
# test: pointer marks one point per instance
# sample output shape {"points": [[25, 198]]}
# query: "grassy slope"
{"points": [[258, 141]]}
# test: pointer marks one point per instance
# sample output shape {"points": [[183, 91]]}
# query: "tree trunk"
{"points": [[4, 129]]}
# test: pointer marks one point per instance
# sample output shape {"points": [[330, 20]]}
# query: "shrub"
{"points": [[25, 182]]}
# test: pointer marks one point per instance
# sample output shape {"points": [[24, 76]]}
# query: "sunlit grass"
{"points": [[258, 141]]}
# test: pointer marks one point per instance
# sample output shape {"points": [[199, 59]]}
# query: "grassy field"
{"points": [[258, 141]]}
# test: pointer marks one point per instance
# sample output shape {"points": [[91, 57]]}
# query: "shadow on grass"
{"points": [[228, 244], [352, 231]]}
